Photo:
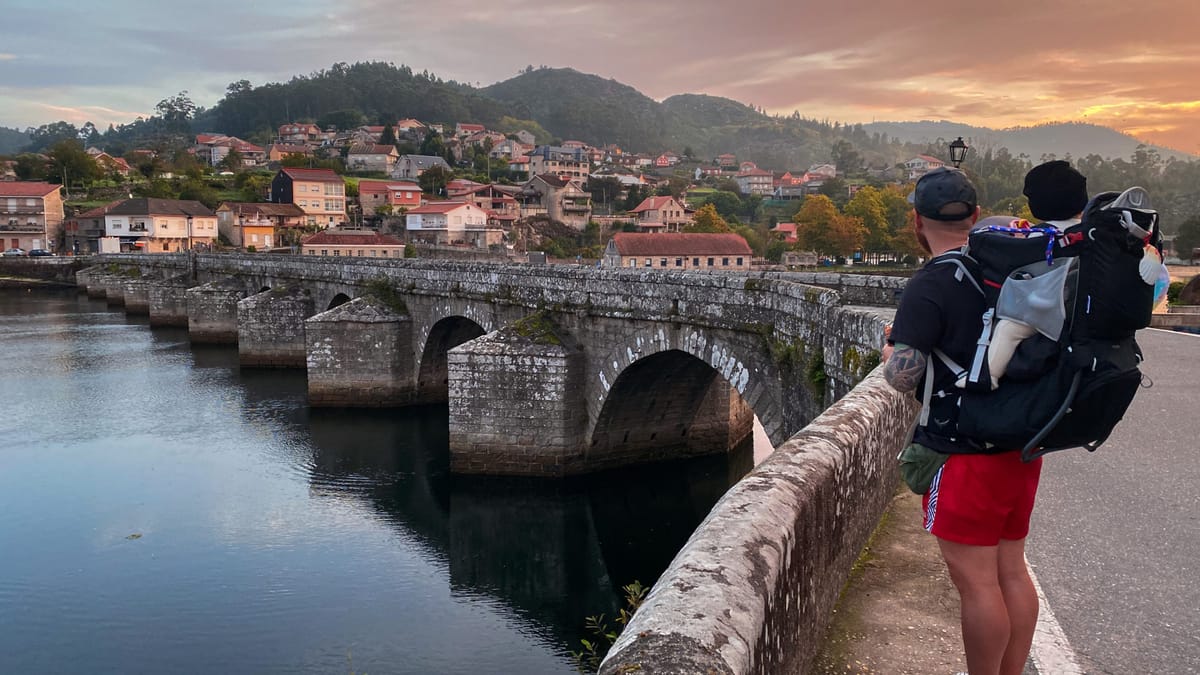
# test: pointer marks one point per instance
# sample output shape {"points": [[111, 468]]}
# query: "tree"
{"points": [[388, 137], [846, 158], [232, 161], [47, 135], [1187, 239], [813, 221], [867, 206], [835, 189], [846, 234], [70, 164], [433, 180], [177, 108], [728, 204], [604, 191], [29, 166], [707, 220], [344, 120], [433, 145]]}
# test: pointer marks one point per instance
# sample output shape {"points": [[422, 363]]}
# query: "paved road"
{"points": [[1115, 541]]}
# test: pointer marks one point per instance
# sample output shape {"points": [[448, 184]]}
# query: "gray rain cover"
{"points": [[1036, 296]]}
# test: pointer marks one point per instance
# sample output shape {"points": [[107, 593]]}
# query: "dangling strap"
{"points": [[928, 395], [981, 345]]}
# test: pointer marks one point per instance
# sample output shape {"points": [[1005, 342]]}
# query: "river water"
{"points": [[162, 510]]}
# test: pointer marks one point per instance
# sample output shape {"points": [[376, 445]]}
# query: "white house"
{"points": [[449, 223]]}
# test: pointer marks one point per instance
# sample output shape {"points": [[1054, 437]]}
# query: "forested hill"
{"points": [[1076, 139], [12, 140], [586, 107], [561, 103]]}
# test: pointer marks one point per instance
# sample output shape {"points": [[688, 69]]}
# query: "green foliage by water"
{"points": [[587, 660]]}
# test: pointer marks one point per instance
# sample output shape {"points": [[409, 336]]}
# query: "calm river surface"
{"points": [[163, 511]]}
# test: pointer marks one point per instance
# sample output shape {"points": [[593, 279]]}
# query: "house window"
{"points": [[679, 262], [311, 252], [662, 262], [315, 188], [165, 246], [695, 262], [324, 251], [360, 253], [633, 262], [373, 253], [337, 252], [649, 262], [739, 262], [710, 262], [724, 262]]}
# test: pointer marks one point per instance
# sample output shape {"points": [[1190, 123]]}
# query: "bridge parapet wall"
{"points": [[754, 587]]}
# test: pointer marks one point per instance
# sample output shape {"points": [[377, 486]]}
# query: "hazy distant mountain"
{"points": [[1076, 139]]}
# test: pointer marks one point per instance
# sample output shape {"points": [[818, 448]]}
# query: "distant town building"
{"points": [[568, 162], [560, 198], [677, 252], [922, 164], [320, 194], [255, 224], [397, 194], [31, 215], [84, 230], [661, 214], [352, 244], [372, 157], [412, 166], [454, 222], [755, 181], [151, 225]]}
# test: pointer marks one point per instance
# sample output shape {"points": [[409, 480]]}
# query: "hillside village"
{"points": [[566, 199]]}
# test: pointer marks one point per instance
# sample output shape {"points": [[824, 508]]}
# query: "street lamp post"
{"points": [[958, 151]]}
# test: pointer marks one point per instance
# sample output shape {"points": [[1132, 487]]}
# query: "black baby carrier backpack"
{"points": [[1075, 299]]}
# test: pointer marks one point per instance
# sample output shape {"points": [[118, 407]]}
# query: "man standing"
{"points": [[979, 503]]}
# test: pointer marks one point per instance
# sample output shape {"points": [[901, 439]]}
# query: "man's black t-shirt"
{"points": [[938, 310]]}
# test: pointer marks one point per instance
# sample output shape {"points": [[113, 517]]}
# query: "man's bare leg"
{"points": [[985, 623], [1021, 600]]}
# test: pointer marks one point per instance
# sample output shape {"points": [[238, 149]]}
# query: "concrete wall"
{"points": [[753, 589]]}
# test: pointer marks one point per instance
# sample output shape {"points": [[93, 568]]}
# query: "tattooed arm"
{"points": [[905, 368]]}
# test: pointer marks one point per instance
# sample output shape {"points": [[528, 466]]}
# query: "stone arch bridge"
{"points": [[548, 370]]}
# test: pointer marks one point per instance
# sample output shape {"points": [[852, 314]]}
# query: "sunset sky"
{"points": [[1133, 66]]}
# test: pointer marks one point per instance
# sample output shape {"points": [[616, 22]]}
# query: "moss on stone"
{"points": [[816, 374], [536, 327], [382, 289]]}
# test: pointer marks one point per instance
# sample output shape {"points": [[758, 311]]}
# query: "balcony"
{"points": [[22, 227], [22, 210], [576, 206]]}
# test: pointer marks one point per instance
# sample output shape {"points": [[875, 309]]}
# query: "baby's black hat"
{"points": [[1056, 191]]}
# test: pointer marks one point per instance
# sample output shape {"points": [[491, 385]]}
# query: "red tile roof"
{"points": [[652, 204], [372, 149], [437, 207], [262, 209], [26, 188], [323, 175], [333, 238], [638, 243], [382, 186]]}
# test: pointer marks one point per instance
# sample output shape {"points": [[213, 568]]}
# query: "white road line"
{"points": [[1052, 654]]}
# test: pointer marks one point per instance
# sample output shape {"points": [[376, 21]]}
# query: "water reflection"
{"points": [[276, 537]]}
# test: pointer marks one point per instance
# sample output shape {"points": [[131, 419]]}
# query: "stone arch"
{"points": [[703, 367], [338, 300], [446, 334], [668, 405]]}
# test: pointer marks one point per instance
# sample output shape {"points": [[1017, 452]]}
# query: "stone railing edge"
{"points": [[754, 587]]}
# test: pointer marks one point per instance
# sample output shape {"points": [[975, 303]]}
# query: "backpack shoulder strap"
{"points": [[927, 395], [957, 259]]}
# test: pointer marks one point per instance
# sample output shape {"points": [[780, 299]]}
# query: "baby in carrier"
{"points": [[1057, 196]]}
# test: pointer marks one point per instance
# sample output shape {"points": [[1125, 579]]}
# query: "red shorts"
{"points": [[981, 499]]}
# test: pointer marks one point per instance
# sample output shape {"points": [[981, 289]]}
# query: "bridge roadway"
{"points": [[1115, 538]]}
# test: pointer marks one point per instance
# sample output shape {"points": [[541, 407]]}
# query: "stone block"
{"points": [[360, 355], [270, 328]]}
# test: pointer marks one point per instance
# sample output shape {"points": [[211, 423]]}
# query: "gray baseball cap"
{"points": [[944, 194]]}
